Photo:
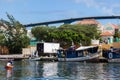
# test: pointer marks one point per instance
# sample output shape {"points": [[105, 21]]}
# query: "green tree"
{"points": [[40, 32], [44, 33], [66, 34], [15, 36], [81, 33], [2, 39]]}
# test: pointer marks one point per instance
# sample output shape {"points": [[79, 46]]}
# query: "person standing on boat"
{"points": [[111, 49]]}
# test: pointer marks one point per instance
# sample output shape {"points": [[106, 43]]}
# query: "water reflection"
{"points": [[94, 71], [49, 69], [38, 70], [9, 74]]}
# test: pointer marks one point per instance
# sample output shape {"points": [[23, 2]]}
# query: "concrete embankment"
{"points": [[14, 57]]}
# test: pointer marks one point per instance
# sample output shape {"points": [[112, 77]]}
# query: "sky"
{"points": [[34, 11]]}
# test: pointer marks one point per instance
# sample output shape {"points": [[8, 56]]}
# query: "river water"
{"points": [[38, 70]]}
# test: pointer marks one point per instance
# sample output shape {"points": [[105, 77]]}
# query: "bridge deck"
{"points": [[71, 20]]}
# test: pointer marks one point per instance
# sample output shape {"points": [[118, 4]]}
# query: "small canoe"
{"points": [[8, 67]]}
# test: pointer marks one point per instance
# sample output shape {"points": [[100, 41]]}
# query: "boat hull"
{"points": [[114, 60], [112, 56], [94, 58], [87, 53]]}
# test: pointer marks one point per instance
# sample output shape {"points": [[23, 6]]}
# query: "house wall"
{"points": [[28, 51], [107, 39]]}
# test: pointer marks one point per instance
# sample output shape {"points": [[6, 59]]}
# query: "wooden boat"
{"points": [[112, 56], [83, 53]]}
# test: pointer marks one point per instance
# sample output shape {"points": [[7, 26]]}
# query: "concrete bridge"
{"points": [[66, 21]]}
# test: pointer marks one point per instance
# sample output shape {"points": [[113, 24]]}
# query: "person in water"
{"points": [[9, 65]]}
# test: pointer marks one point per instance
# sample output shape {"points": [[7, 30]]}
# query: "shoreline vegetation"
{"points": [[21, 56]]}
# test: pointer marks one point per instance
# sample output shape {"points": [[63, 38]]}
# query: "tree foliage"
{"points": [[15, 35], [66, 34]]}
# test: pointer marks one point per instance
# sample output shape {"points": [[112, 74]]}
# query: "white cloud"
{"points": [[107, 11], [111, 9], [103, 6]]}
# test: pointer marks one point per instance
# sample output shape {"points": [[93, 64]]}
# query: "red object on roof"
{"points": [[107, 33]]}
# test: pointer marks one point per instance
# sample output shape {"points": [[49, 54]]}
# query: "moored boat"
{"points": [[112, 56], [83, 53]]}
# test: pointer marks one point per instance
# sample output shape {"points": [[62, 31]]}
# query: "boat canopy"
{"points": [[85, 47]]}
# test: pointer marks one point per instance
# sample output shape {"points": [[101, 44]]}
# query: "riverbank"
{"points": [[12, 57], [18, 57], [21, 57]]}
